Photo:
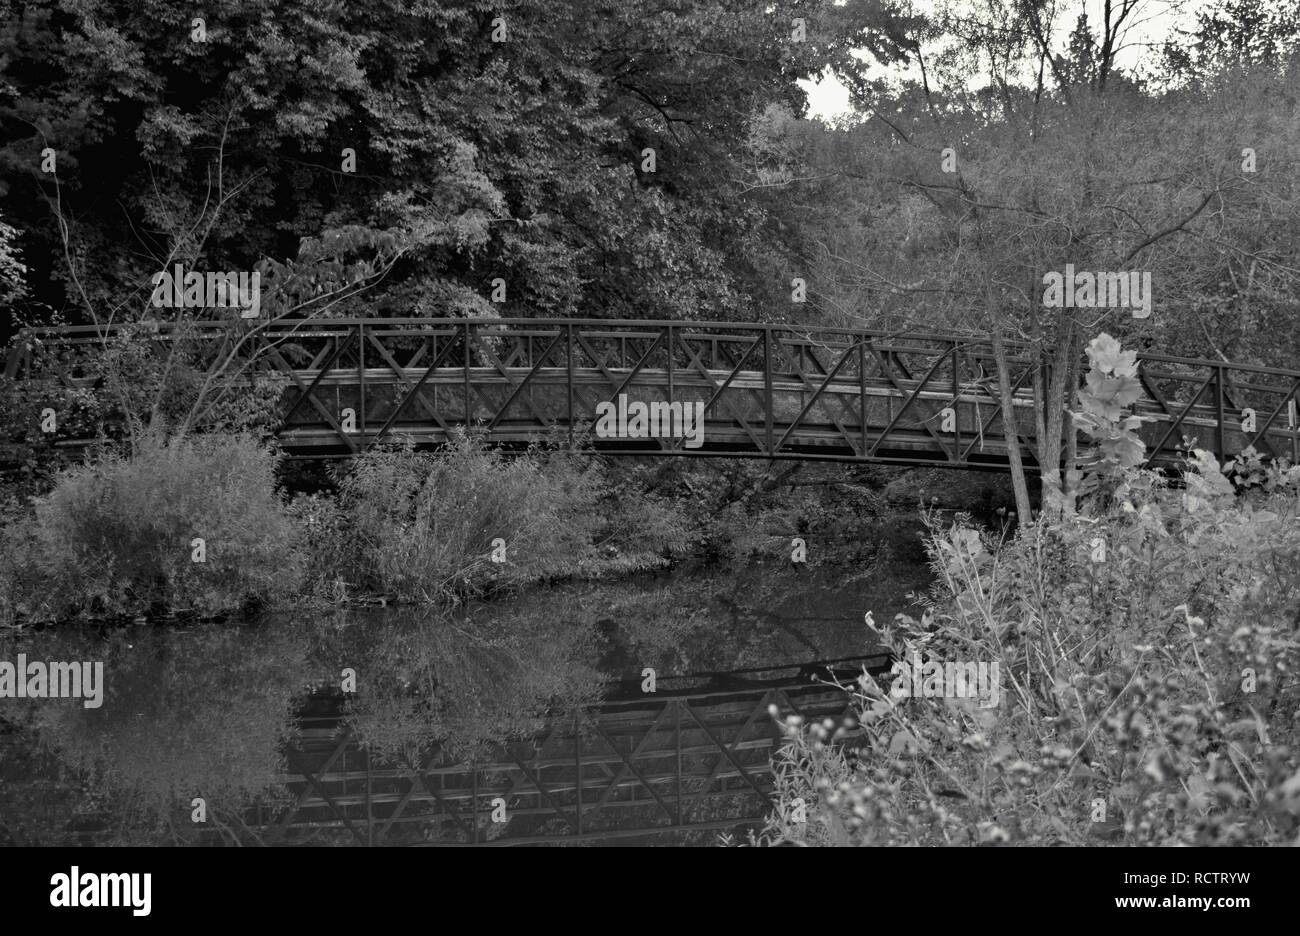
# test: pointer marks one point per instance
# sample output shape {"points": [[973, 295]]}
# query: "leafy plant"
{"points": [[121, 536], [1147, 654], [426, 526], [1110, 387]]}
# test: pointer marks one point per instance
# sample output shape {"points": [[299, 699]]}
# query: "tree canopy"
{"points": [[397, 158]]}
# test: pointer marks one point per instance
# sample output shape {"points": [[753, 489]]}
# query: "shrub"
{"points": [[421, 526], [21, 596], [1148, 697], [117, 537], [638, 529], [329, 554]]}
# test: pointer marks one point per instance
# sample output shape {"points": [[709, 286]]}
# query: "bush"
{"points": [[118, 537], [323, 525], [1147, 697], [20, 593], [638, 529], [424, 526]]}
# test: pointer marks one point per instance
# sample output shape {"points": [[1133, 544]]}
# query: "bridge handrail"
{"points": [[605, 328], [634, 325]]}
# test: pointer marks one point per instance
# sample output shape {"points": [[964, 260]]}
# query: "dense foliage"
{"points": [[192, 524], [198, 524], [491, 140], [1145, 650], [1147, 699], [422, 527]]}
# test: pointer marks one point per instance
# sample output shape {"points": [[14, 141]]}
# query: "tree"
{"points": [[1235, 32], [520, 159], [13, 273], [951, 201]]}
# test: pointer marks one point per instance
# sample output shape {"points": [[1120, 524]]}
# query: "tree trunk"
{"points": [[1010, 431], [1072, 431], [1055, 502], [1040, 392]]}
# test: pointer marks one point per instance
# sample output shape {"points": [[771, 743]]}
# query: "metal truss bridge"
{"points": [[767, 391]]}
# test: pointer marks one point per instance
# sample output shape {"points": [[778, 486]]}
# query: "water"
{"points": [[208, 710]]}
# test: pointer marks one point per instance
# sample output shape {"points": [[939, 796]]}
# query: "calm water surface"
{"points": [[211, 707]]}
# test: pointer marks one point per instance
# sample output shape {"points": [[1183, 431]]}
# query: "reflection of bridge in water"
{"points": [[772, 391], [678, 761]]}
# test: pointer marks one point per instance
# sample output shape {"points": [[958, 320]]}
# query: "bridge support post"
{"points": [[568, 357], [577, 766], [361, 387], [670, 365], [677, 739], [1291, 424], [767, 395], [956, 402], [1218, 405], [862, 393]]}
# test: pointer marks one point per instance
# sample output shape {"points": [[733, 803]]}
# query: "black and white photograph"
{"points": [[651, 424]]}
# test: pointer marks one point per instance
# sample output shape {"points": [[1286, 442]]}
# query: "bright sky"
{"points": [[1151, 23]]}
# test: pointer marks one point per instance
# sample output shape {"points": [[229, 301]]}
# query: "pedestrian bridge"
{"points": [[765, 390]]}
